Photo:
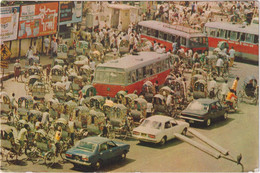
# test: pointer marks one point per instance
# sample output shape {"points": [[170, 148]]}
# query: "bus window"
{"points": [[242, 37], [144, 30], [154, 69], [158, 67], [183, 41], [256, 37], [116, 78], [129, 77], [153, 33], [227, 35], [249, 38], [139, 73], [233, 35], [212, 32], [238, 35], [165, 36], [161, 35], [156, 33], [149, 31], [173, 38], [144, 72], [222, 33], [133, 76]]}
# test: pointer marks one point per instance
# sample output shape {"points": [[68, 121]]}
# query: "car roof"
{"points": [[95, 140], [160, 118], [206, 101]]}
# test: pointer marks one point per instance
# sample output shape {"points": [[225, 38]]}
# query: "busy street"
{"points": [[129, 86]]}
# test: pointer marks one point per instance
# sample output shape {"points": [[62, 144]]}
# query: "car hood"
{"points": [[182, 122], [79, 152], [195, 113], [146, 130], [120, 143]]}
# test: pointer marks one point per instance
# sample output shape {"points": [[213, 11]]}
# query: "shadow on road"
{"points": [[215, 124], [18, 162], [107, 167]]}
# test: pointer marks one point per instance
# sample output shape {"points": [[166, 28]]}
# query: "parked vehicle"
{"points": [[204, 111], [250, 90], [95, 151], [56, 73], [120, 96], [25, 104], [159, 129], [62, 52], [128, 100], [200, 89], [5, 103], [39, 90]]}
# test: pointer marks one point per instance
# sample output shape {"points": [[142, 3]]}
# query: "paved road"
{"points": [[239, 134]]}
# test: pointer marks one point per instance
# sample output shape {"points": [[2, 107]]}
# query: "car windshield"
{"points": [[151, 124], [86, 146], [197, 106]]}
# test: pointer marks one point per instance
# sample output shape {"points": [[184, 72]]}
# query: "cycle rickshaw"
{"points": [[120, 96], [200, 89], [148, 91], [82, 47], [62, 52], [95, 121], [56, 73], [39, 90], [97, 102], [159, 104], [59, 90], [128, 100], [138, 111], [250, 90], [30, 82], [25, 104], [85, 72], [5, 103]]}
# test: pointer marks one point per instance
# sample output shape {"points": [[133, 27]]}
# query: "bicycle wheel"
{"points": [[49, 159]]}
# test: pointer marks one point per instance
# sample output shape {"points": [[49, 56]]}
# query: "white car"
{"points": [[159, 129]]}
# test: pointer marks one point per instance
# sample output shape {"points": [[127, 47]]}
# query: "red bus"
{"points": [[244, 39], [167, 34], [131, 72]]}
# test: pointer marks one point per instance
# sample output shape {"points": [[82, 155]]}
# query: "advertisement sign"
{"points": [[38, 20], [70, 12], [9, 22]]}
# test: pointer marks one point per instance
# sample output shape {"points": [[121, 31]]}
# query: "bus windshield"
{"points": [[107, 77], [198, 41]]}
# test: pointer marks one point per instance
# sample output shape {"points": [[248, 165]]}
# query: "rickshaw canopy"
{"points": [[57, 67], [62, 121], [166, 89], [42, 132], [148, 83], [159, 96], [248, 79], [87, 88]]}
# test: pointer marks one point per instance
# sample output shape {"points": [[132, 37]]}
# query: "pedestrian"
{"points": [[212, 86], [72, 127], [35, 48], [55, 48], [45, 119], [156, 86], [149, 109], [232, 56], [231, 97], [120, 26], [57, 138], [52, 46], [13, 102], [234, 85], [224, 89], [219, 65], [48, 71], [131, 42], [29, 53], [47, 45], [17, 70], [22, 136]]}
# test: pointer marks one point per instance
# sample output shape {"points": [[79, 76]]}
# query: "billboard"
{"points": [[38, 20], [70, 12], [9, 22]]}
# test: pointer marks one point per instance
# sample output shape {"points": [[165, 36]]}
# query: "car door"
{"points": [[113, 149], [104, 152], [176, 128], [221, 111], [168, 130]]}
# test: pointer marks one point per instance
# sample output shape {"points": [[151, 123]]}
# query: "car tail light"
{"points": [[151, 136], [84, 159], [136, 133], [68, 155]]}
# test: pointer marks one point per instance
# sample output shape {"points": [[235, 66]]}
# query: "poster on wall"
{"points": [[70, 12], [38, 20], [9, 22]]}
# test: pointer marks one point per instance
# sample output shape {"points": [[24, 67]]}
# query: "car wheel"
{"points": [[225, 116], [208, 122], [184, 132], [163, 140], [97, 165]]}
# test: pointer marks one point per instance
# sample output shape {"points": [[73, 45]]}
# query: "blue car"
{"points": [[94, 151]]}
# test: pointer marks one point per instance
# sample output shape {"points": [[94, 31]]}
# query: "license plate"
{"points": [[143, 134], [191, 121]]}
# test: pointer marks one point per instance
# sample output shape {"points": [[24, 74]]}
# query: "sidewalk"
{"points": [[9, 72]]}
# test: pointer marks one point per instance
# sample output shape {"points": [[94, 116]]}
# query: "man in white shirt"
{"points": [[219, 65], [232, 56], [47, 45], [92, 64]]}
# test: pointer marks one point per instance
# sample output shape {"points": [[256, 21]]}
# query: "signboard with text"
{"points": [[9, 17], [70, 12], [38, 20]]}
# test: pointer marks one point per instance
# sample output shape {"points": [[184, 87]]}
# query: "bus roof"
{"points": [[172, 29], [130, 62], [232, 27]]}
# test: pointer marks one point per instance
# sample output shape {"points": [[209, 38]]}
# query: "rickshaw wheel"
{"points": [[240, 96], [63, 152], [49, 159]]}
